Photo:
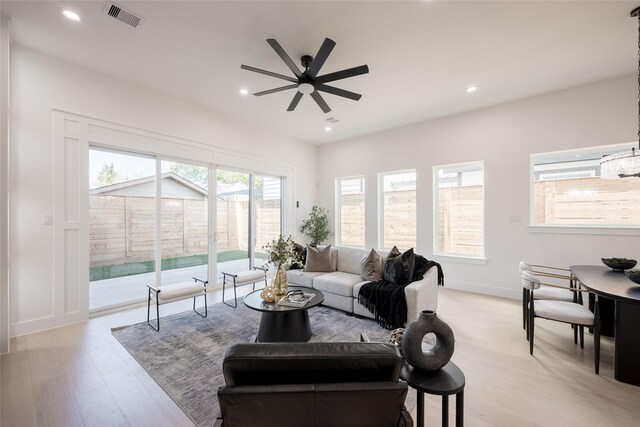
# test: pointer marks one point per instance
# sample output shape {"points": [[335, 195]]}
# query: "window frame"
{"points": [[602, 229], [338, 210], [381, 176], [436, 207]]}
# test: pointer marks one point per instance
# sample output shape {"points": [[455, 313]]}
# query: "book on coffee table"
{"points": [[286, 301]]}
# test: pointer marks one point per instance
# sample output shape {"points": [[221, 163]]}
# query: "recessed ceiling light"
{"points": [[472, 89], [244, 92], [70, 15], [328, 129]]}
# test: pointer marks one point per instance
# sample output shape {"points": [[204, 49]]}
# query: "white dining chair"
{"points": [[550, 293], [561, 311]]}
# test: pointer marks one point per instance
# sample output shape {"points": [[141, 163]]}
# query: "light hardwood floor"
{"points": [[79, 375]]}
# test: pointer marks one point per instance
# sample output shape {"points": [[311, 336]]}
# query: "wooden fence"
{"points": [[122, 228], [587, 201], [461, 220], [352, 219]]}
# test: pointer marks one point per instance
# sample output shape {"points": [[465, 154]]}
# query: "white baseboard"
{"points": [[480, 288]]}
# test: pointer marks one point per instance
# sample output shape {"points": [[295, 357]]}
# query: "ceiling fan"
{"points": [[308, 81]]}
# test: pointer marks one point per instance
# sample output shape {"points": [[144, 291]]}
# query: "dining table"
{"points": [[614, 285]]}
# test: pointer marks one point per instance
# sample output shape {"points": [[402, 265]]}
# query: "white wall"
{"points": [[4, 175], [503, 136], [41, 83]]}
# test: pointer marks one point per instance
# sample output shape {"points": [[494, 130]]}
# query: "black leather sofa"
{"points": [[313, 384]]}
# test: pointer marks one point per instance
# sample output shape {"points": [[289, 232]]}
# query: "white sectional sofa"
{"points": [[341, 287]]}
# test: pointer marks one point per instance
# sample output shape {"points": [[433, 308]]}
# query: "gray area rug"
{"points": [[185, 357]]}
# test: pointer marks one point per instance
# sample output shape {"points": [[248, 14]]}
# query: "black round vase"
{"points": [[436, 357]]}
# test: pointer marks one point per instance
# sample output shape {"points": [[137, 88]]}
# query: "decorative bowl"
{"points": [[634, 276], [619, 263]]}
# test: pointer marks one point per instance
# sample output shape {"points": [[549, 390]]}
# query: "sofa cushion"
{"points": [[399, 269], [318, 259], [349, 260], [338, 283], [302, 278], [371, 266]]}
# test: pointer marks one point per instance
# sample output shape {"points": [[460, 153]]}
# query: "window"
{"points": [[567, 190], [350, 211], [398, 208], [459, 209]]}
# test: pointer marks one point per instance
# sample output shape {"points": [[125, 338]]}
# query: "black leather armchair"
{"points": [[313, 384]]}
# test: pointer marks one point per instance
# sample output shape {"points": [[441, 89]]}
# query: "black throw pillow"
{"points": [[399, 269], [300, 257]]}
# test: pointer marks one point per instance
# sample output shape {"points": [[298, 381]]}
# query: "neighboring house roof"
{"points": [[127, 186]]}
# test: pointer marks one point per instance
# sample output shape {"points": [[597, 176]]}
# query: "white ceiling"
{"points": [[422, 54]]}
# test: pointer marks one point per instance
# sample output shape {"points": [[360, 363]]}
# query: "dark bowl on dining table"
{"points": [[634, 276], [619, 263]]}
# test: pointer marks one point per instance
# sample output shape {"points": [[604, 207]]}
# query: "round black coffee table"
{"points": [[281, 323]]}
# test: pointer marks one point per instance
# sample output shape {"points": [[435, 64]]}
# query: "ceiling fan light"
{"points": [[306, 88]]}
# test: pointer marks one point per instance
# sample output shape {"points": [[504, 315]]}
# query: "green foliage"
{"points": [[280, 250], [108, 175], [316, 227], [197, 175], [231, 177]]}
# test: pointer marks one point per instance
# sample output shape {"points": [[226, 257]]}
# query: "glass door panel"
{"points": [[184, 226], [122, 228], [267, 192], [232, 221]]}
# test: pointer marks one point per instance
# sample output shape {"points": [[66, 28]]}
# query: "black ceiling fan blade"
{"points": [[320, 101], [337, 91], [283, 55], [294, 101], [269, 73], [344, 74], [278, 89], [321, 57]]}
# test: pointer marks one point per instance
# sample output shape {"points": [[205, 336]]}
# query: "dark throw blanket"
{"points": [[387, 301]]}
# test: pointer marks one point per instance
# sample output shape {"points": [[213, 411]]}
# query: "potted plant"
{"points": [[280, 252], [316, 227]]}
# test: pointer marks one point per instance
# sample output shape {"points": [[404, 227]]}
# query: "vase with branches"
{"points": [[316, 227], [280, 251]]}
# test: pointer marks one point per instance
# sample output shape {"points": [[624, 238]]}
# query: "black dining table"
{"points": [[625, 294]]}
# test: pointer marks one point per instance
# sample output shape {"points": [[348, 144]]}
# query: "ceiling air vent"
{"points": [[122, 14], [332, 120]]}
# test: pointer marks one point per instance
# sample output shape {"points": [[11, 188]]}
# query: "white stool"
{"points": [[176, 292], [243, 278]]}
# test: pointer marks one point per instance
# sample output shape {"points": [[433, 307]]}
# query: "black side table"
{"points": [[445, 382]]}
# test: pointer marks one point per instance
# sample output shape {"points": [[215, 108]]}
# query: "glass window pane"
{"points": [[399, 210], [232, 221], [567, 190], [184, 222], [460, 204], [351, 212], [268, 211], [122, 228]]}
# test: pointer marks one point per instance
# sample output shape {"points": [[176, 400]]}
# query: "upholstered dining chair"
{"points": [[561, 311], [551, 293]]}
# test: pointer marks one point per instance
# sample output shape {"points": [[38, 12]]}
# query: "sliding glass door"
{"points": [[147, 212], [184, 222], [232, 221], [248, 216], [268, 214], [122, 227]]}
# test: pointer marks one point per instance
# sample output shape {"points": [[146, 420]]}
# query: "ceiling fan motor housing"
{"points": [[306, 61]]}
